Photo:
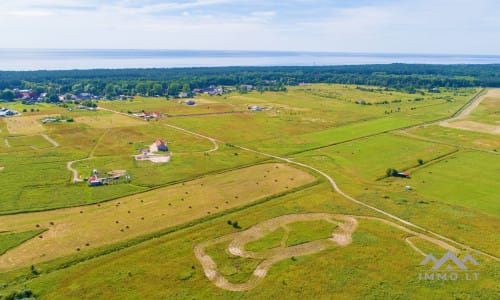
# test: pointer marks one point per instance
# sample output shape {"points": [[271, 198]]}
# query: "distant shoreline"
{"points": [[85, 59]]}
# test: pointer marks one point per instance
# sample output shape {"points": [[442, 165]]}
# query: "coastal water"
{"points": [[62, 59]]}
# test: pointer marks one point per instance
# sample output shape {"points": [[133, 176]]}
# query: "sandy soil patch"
{"points": [[341, 236], [473, 126]]}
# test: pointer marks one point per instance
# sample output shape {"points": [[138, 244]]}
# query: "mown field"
{"points": [[137, 240]]}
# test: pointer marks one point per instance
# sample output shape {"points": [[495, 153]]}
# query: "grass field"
{"points": [[172, 266], [82, 227], [141, 239]]}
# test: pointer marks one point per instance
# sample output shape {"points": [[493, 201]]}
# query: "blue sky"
{"points": [[384, 26]]}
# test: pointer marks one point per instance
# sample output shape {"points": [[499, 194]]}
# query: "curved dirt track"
{"points": [[338, 190], [341, 236], [214, 141]]}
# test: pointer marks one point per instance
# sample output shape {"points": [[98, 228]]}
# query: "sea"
{"points": [[68, 59]]}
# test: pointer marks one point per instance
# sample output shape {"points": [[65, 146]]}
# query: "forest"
{"points": [[170, 82]]}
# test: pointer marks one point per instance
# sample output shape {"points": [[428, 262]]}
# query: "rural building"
{"points": [[255, 108], [157, 146], [404, 175], [5, 112], [190, 102]]}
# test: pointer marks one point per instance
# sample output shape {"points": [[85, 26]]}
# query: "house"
{"points": [[158, 145], [95, 181], [248, 87], [5, 112], [255, 108], [85, 96], [183, 95]]}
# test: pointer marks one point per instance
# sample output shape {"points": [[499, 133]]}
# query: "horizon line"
{"points": [[251, 51]]}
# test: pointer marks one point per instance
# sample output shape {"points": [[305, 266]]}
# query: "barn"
{"points": [[158, 145]]}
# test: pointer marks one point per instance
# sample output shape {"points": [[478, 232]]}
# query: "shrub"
{"points": [[420, 161]]}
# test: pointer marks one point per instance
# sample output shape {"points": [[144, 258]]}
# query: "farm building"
{"points": [[157, 146], [4, 112], [112, 177], [404, 175]]}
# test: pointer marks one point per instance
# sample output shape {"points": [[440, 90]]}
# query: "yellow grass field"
{"points": [[26, 125], [128, 217], [108, 120]]}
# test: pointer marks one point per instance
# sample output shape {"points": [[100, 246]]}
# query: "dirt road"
{"points": [[339, 191], [341, 236]]}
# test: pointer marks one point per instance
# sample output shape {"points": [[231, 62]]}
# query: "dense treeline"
{"points": [[112, 82]]}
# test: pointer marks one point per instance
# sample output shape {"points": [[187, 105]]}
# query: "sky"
{"points": [[378, 26]]}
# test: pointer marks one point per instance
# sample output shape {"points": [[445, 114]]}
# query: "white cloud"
{"points": [[381, 26]]}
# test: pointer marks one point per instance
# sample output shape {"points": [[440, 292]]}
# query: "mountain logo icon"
{"points": [[449, 262]]}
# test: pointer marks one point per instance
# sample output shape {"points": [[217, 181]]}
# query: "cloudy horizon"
{"points": [[381, 26]]}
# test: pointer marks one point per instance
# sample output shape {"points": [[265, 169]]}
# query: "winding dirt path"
{"points": [[341, 236], [69, 164], [212, 140], [76, 178], [339, 191]]}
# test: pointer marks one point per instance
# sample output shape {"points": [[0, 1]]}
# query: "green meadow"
{"points": [[354, 134]]}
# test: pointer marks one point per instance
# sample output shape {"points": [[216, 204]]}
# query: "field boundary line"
{"points": [[50, 140], [339, 191], [123, 245]]}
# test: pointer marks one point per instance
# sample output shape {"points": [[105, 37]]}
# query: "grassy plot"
{"points": [[308, 141], [467, 179], [488, 111], [464, 138], [269, 241], [368, 159], [107, 120], [10, 240], [303, 232], [26, 125], [438, 207], [32, 142], [235, 268], [378, 264], [20, 176], [182, 166], [128, 140], [75, 229], [173, 107]]}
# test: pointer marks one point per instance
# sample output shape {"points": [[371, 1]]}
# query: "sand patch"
{"points": [[341, 237], [473, 126]]}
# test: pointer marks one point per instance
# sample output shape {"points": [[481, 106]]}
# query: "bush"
{"points": [[391, 172], [420, 161], [236, 225], [24, 294]]}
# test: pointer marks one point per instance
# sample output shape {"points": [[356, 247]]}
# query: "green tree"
{"points": [[7, 95]]}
